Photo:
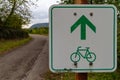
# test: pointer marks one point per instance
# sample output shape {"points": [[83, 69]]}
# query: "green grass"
{"points": [[59, 76], [6, 45], [91, 76], [104, 76]]}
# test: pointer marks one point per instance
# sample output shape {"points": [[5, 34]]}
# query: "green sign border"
{"points": [[114, 39]]}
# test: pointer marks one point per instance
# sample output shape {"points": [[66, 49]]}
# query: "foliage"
{"points": [[91, 76], [118, 47], [41, 30], [104, 76], [10, 33], [13, 14], [66, 2], [59, 76], [15, 10], [15, 22]]}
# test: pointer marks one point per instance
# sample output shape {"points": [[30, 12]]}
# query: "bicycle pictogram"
{"points": [[89, 56]]}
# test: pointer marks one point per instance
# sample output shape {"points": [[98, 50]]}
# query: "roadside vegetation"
{"points": [[91, 76], [13, 15], [7, 45], [41, 31], [59, 76]]}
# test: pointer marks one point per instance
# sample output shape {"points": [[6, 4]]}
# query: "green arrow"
{"points": [[83, 21]]}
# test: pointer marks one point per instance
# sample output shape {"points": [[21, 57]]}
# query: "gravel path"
{"points": [[28, 62]]}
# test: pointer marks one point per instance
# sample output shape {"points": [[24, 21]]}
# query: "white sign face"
{"points": [[83, 38]]}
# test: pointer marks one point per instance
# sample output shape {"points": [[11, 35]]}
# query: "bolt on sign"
{"points": [[82, 38]]}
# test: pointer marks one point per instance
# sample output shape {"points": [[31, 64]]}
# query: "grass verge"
{"points": [[104, 76], [59, 76], [91, 76], [6, 45]]}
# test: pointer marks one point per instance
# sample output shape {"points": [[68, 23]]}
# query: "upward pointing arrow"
{"points": [[83, 21]]}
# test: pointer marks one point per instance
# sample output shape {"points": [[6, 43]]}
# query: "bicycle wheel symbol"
{"points": [[91, 57], [75, 57]]}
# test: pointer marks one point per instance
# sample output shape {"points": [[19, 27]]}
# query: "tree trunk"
{"points": [[80, 1], [11, 13]]}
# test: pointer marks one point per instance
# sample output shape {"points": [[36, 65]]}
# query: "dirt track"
{"points": [[28, 62]]}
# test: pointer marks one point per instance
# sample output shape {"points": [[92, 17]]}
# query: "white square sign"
{"points": [[83, 38]]}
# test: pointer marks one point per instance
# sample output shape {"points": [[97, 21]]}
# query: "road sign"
{"points": [[83, 38]]}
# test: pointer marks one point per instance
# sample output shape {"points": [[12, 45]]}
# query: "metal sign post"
{"points": [[81, 76]]}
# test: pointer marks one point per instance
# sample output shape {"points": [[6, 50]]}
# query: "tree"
{"points": [[12, 11], [16, 21], [66, 2]]}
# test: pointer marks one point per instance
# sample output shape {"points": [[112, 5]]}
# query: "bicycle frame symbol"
{"points": [[89, 56]]}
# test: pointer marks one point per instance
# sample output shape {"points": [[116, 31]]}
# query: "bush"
{"points": [[10, 33], [41, 30]]}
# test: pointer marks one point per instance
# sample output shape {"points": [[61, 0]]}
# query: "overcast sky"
{"points": [[40, 12]]}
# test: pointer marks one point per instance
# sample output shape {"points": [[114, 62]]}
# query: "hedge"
{"points": [[9, 33]]}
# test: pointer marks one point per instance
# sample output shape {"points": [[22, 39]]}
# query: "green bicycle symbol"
{"points": [[89, 56]]}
